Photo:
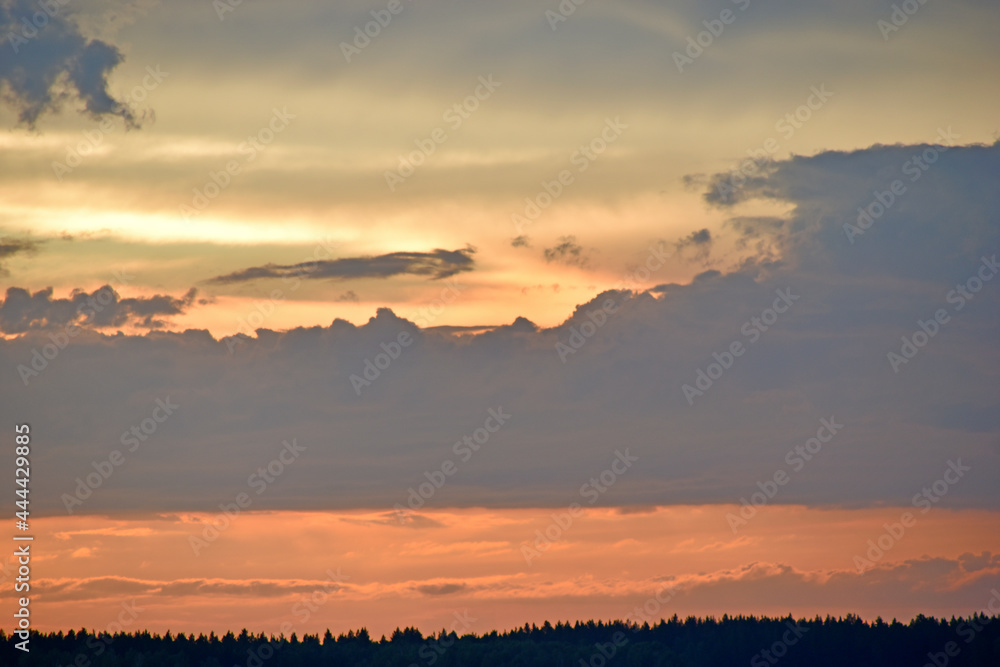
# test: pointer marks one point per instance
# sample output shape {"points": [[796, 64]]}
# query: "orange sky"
{"points": [[262, 570]]}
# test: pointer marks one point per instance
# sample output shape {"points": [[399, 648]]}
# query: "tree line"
{"points": [[692, 642]]}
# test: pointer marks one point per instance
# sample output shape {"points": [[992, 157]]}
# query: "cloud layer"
{"points": [[716, 386]]}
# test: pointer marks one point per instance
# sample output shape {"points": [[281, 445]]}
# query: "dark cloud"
{"points": [[567, 251], [47, 61], [521, 241], [21, 311], [441, 589], [973, 563], [348, 297], [944, 211], [10, 246], [437, 264], [695, 246], [731, 188]]}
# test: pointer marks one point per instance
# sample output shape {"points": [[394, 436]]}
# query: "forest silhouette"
{"points": [[692, 642]]}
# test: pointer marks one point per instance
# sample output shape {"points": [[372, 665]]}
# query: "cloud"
{"points": [[567, 251], [398, 519], [10, 246], [910, 239], [95, 588], [47, 61], [441, 589], [112, 531], [699, 242], [521, 241], [437, 264], [973, 563], [623, 364], [348, 297], [913, 584], [21, 311], [701, 237]]}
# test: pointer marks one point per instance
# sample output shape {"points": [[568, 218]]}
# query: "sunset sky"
{"points": [[511, 311]]}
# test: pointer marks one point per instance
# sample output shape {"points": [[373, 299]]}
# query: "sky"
{"points": [[391, 313]]}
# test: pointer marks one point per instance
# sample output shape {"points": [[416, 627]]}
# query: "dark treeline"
{"points": [[731, 640]]}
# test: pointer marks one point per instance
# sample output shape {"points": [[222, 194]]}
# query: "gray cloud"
{"points": [[953, 188], [348, 297], [21, 311], [697, 244], [824, 357], [442, 589], [47, 61], [437, 264], [567, 251], [10, 246]]}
